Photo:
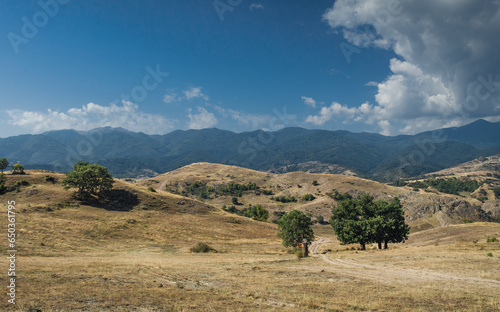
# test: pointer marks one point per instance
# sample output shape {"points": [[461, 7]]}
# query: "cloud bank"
{"points": [[447, 72], [92, 116]]}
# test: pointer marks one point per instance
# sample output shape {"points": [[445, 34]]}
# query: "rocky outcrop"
{"points": [[447, 209]]}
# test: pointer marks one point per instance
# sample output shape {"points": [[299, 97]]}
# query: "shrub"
{"points": [[49, 178], [299, 254], [231, 209], [202, 248], [491, 240], [18, 169], [315, 183], [234, 200], [489, 254], [496, 190], [257, 213], [320, 219], [151, 189], [267, 192], [308, 197], [467, 220], [482, 199], [21, 182], [284, 199]]}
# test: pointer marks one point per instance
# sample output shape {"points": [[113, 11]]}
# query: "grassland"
{"points": [[132, 254]]}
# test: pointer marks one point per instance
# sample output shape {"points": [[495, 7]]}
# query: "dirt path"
{"points": [[388, 273], [162, 186]]}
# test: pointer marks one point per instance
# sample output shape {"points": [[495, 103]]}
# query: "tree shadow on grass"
{"points": [[115, 200]]}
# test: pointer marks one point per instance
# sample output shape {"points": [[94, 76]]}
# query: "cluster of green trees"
{"points": [[364, 221], [337, 196], [235, 189], [16, 168], [450, 186], [238, 189], [257, 212]]}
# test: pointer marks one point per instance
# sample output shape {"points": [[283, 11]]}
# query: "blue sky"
{"points": [[390, 67]]}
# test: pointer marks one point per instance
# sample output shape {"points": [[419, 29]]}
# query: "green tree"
{"points": [[234, 200], [4, 163], [2, 182], [258, 213], [294, 227], [89, 179], [390, 224], [353, 222], [17, 169], [364, 221]]}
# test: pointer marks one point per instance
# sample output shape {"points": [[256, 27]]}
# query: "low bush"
{"points": [[299, 253], [491, 240], [49, 178], [21, 182], [151, 189], [202, 248], [308, 197]]}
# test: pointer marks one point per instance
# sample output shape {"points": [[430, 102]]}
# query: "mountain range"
{"points": [[369, 155]]}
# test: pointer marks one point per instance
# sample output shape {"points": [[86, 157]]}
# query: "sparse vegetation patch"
{"points": [[202, 248]]}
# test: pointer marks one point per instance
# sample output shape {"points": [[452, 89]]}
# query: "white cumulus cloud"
{"points": [[447, 70], [309, 101], [92, 116], [195, 92], [203, 119], [256, 6]]}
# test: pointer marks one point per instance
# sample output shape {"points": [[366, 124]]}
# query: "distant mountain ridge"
{"points": [[383, 158]]}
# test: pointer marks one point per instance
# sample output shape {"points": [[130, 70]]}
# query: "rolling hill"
{"points": [[129, 154], [131, 252], [423, 209]]}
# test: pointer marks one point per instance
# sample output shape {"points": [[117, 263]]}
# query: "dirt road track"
{"points": [[388, 273]]}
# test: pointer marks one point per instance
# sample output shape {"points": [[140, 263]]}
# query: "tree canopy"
{"points": [[17, 169], [2, 182], [294, 227], [364, 221], [89, 179], [258, 213], [4, 163]]}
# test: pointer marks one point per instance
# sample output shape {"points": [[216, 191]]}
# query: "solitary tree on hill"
{"points": [[89, 179], [17, 169], [296, 228], [4, 163]]}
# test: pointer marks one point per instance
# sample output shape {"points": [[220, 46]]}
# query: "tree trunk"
{"points": [[385, 244], [306, 249], [363, 247], [379, 245]]}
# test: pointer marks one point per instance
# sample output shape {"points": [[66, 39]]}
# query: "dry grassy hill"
{"points": [[131, 253], [423, 209]]}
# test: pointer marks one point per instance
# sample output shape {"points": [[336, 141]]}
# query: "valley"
{"points": [[132, 251]]}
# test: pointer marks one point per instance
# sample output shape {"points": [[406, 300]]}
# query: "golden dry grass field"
{"points": [[132, 254]]}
